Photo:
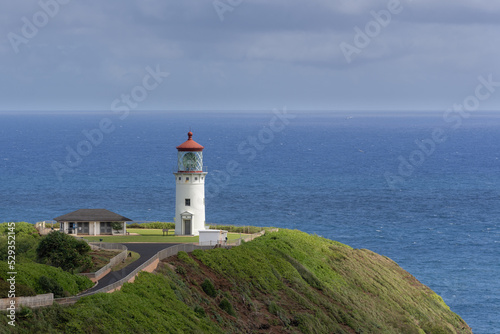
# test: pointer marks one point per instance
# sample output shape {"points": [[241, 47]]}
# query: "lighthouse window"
{"points": [[196, 179], [180, 178], [187, 202], [187, 178]]}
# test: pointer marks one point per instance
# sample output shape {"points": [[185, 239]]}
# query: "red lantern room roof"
{"points": [[190, 145]]}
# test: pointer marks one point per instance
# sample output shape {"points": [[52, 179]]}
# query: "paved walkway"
{"points": [[146, 250]]}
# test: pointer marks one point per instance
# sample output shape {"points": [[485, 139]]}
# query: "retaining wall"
{"points": [[33, 301], [94, 277]]}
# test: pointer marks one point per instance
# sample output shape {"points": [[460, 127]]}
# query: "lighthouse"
{"points": [[189, 188]]}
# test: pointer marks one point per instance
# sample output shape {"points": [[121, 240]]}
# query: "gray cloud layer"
{"points": [[264, 54]]}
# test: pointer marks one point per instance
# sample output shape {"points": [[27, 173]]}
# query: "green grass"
{"points": [[150, 235], [28, 274], [135, 256]]}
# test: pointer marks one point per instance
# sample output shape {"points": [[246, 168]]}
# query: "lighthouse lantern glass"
{"points": [[190, 161]]}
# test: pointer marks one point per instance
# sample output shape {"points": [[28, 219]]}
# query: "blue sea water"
{"points": [[359, 178]]}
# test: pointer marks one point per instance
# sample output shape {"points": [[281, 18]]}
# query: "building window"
{"points": [[187, 202]]}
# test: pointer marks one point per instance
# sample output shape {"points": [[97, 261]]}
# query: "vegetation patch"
{"points": [[134, 257], [64, 251], [183, 256], [29, 275], [209, 288], [226, 306], [152, 225], [50, 285], [26, 238]]}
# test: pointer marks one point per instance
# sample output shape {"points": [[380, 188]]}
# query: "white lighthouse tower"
{"points": [[189, 188]]}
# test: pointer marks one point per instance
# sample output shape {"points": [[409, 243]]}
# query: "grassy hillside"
{"points": [[283, 282], [33, 278], [28, 278]]}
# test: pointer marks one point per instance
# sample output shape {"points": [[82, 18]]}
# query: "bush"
{"points": [[209, 288], [64, 251], [226, 306], [199, 311], [51, 286], [25, 312]]}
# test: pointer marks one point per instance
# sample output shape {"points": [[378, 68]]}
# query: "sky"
{"points": [[249, 54]]}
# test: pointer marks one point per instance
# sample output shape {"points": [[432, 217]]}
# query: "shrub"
{"points": [[227, 307], [199, 311], [64, 251], [26, 312], [51, 286], [209, 288]]}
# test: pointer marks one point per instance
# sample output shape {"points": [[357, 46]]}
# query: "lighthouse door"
{"points": [[187, 226]]}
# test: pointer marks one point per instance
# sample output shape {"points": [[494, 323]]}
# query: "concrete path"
{"points": [[146, 250]]}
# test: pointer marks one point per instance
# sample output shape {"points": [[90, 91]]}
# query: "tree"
{"points": [[64, 251], [117, 226]]}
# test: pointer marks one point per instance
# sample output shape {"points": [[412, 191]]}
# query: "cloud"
{"points": [[90, 51]]}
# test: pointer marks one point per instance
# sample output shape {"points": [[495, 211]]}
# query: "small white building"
{"points": [[189, 188], [212, 237], [91, 222]]}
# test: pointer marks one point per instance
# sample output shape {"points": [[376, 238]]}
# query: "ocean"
{"points": [[422, 188]]}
